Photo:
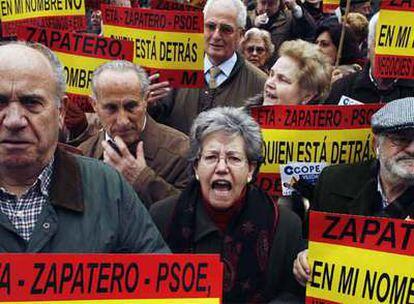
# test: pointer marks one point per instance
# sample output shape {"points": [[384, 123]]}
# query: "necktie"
{"points": [[214, 72]]}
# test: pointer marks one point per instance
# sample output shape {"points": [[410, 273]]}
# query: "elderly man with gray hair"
{"points": [[150, 156], [382, 187], [51, 200], [229, 78]]}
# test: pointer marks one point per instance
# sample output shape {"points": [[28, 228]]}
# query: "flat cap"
{"points": [[395, 116]]}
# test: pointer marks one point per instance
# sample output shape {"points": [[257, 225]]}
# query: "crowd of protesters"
{"points": [[156, 169]]}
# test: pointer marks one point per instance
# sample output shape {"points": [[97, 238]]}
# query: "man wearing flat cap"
{"points": [[381, 187]]}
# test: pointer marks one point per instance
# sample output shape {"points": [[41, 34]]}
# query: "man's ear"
{"points": [[375, 144], [92, 100], [145, 99]]}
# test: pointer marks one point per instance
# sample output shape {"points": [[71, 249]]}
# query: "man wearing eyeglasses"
{"points": [[229, 79], [382, 187]]}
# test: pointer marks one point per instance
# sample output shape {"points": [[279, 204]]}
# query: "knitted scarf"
{"points": [[246, 244]]}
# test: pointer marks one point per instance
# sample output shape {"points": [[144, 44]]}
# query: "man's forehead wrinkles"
{"points": [[121, 102]]}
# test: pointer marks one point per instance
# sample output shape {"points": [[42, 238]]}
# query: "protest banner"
{"points": [[394, 40], [80, 55], [57, 14], [312, 134], [170, 43], [111, 278], [329, 6], [356, 259]]}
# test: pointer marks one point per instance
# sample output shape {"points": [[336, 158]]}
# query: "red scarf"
{"points": [[222, 217]]}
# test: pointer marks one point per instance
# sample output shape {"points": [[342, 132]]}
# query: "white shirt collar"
{"points": [[385, 202], [226, 67]]}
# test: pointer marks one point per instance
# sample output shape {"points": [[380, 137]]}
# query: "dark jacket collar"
{"points": [[66, 185]]}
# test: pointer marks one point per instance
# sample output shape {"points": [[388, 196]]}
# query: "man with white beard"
{"points": [[382, 187]]}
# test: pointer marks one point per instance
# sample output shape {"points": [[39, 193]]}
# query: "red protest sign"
{"points": [[394, 40], [120, 277]]}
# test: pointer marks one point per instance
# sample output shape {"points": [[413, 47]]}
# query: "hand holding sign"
{"points": [[301, 269], [157, 90]]}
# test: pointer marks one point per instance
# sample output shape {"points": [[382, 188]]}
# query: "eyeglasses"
{"points": [[259, 49], [224, 29], [401, 140], [211, 160]]}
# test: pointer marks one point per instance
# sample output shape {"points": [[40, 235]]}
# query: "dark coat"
{"points": [[286, 244], [359, 86], [284, 26], [184, 105], [349, 189], [353, 189], [165, 151], [90, 208]]}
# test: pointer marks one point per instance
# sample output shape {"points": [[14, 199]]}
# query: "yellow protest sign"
{"points": [[341, 256], [309, 134], [13, 10], [167, 50], [394, 40], [331, 146], [170, 43], [57, 14]]}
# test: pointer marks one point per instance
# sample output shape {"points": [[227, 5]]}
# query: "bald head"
{"points": [[29, 113], [18, 56]]}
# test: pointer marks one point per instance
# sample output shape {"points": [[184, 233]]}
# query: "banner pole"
{"points": [[341, 40]]}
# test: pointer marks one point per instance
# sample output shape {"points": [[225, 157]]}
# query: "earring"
{"points": [[196, 177], [249, 179]]}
